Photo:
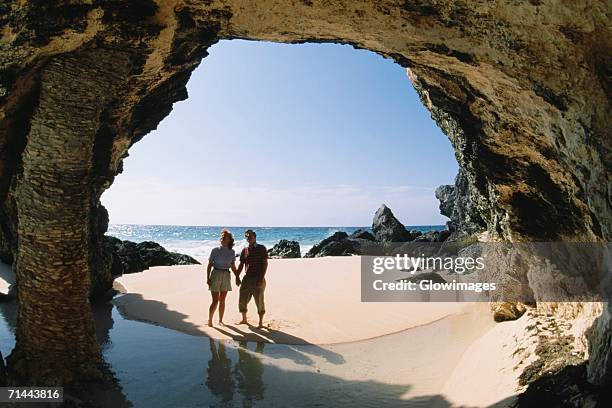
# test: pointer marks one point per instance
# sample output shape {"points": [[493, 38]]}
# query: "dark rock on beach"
{"points": [[443, 235], [429, 236], [285, 249], [339, 244], [507, 311], [414, 234], [427, 276], [387, 228], [362, 234], [131, 257]]}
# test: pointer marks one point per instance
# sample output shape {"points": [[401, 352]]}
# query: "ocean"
{"points": [[198, 241]]}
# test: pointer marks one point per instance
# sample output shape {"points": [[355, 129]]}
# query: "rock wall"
{"points": [[522, 89], [459, 203]]}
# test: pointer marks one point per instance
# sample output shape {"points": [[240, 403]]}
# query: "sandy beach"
{"points": [[308, 301], [450, 349]]}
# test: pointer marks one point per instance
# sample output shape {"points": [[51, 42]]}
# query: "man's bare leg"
{"points": [[244, 319], [261, 325]]}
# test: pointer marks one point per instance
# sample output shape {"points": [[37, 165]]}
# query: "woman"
{"points": [[221, 260]]}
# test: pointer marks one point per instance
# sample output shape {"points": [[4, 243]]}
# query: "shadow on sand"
{"points": [[243, 383], [249, 333]]}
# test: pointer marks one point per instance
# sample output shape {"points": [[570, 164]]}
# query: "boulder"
{"points": [[427, 276], [414, 234], [387, 228], [443, 235], [506, 311], [131, 257], [285, 249], [429, 236], [362, 234], [339, 244]]}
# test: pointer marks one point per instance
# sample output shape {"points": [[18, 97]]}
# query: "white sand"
{"points": [[7, 278], [453, 350], [316, 300]]}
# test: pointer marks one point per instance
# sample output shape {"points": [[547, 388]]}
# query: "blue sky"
{"points": [[288, 135]]}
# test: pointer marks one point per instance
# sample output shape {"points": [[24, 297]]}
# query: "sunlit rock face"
{"points": [[522, 91]]}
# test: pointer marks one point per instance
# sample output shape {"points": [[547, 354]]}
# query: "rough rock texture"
{"points": [[387, 228], [339, 244], [6, 255], [131, 257], [599, 370], [522, 89], [557, 376], [430, 236], [362, 234], [508, 311], [285, 249], [100, 257], [567, 388], [457, 202]]}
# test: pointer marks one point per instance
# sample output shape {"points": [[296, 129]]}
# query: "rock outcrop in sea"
{"points": [[131, 257], [387, 231], [387, 228], [339, 244], [285, 249], [362, 234]]}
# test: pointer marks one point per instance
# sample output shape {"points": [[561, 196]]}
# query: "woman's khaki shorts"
{"points": [[220, 281]]}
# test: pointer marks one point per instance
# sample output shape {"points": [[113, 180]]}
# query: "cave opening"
{"points": [[300, 140]]}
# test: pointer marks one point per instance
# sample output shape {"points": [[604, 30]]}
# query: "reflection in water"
{"points": [[103, 317], [8, 325], [246, 375], [249, 372], [155, 367], [219, 374]]}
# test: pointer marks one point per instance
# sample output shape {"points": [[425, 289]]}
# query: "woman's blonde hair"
{"points": [[226, 234]]}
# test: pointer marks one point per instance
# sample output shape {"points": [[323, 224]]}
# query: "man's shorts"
{"points": [[248, 289]]}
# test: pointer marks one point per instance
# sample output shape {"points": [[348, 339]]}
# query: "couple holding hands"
{"points": [[254, 259]]}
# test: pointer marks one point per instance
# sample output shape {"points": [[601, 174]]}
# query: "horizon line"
{"points": [[268, 226]]}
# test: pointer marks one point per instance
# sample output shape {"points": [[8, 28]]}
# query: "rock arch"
{"points": [[521, 89]]}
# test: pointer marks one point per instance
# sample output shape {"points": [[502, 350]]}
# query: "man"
{"points": [[255, 259]]}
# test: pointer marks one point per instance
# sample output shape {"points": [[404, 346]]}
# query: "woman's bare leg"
{"points": [[213, 307], [222, 296]]}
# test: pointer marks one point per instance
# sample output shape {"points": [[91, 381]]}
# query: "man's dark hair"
{"points": [[250, 232]]}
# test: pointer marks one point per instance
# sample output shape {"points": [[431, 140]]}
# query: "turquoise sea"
{"points": [[198, 241]]}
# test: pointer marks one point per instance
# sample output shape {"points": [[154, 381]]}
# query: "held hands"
{"points": [[238, 281]]}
